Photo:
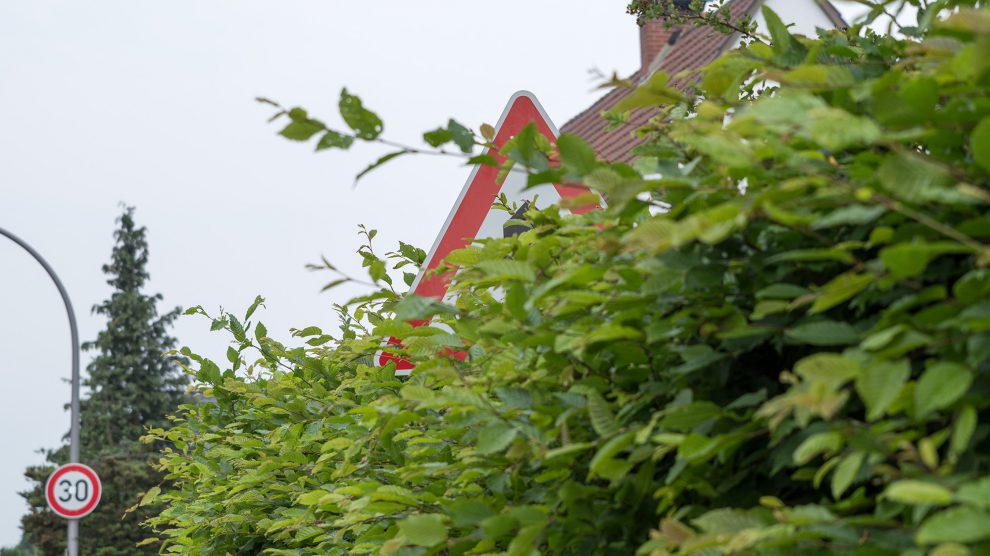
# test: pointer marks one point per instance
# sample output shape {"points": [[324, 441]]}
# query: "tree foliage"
{"points": [[22, 549], [132, 385], [773, 341]]}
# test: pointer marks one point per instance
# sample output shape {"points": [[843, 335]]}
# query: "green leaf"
{"points": [[577, 156], [312, 497], [781, 291], [524, 148], [423, 529], [836, 130], [961, 524], [846, 473], [817, 77], [503, 269], [912, 103], [568, 449], [498, 526], [822, 443], [940, 386], [979, 143], [309, 331], [962, 431], [334, 140], [686, 417], [598, 466], [880, 384], [975, 493], [515, 397], [415, 307], [788, 50], [727, 521], [851, 215], [612, 332], [906, 260], [918, 492], [840, 289], [469, 511], [461, 136], [437, 137], [236, 329], [915, 179], [824, 333], [495, 438], [365, 123], [655, 92], [723, 77], [302, 130], [808, 515], [806, 255], [334, 283], [483, 160], [764, 309], [697, 357], [524, 543], [618, 188], [883, 338], [972, 287], [602, 419], [378, 163], [149, 496], [254, 306]]}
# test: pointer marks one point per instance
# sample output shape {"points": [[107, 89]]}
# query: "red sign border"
{"points": [[471, 207], [85, 510]]}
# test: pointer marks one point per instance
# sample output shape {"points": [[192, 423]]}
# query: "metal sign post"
{"points": [[73, 527]]}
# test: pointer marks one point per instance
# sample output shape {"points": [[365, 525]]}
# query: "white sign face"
{"points": [[73, 491]]}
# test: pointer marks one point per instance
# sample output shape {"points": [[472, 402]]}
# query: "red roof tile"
{"points": [[695, 48]]}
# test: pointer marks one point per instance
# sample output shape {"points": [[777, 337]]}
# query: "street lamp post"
{"points": [[73, 528]]}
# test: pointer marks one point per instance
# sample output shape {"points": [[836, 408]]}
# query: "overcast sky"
{"points": [[151, 104]]}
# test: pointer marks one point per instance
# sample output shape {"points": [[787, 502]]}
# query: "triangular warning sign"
{"points": [[472, 215]]}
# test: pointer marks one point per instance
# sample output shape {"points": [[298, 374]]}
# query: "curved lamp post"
{"points": [[73, 532]]}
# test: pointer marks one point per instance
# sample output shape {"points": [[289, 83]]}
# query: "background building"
{"points": [[682, 48]]}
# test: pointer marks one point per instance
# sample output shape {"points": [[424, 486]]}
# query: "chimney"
{"points": [[655, 41], [653, 38]]}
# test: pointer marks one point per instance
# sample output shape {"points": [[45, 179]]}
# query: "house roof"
{"points": [[695, 48]]}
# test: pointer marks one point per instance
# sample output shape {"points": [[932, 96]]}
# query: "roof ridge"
{"points": [[832, 13]]}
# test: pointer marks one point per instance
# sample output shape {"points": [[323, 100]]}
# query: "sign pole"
{"points": [[73, 527]]}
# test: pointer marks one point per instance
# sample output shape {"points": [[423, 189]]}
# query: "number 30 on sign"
{"points": [[73, 491]]}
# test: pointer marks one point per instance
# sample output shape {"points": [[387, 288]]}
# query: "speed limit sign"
{"points": [[73, 491]]}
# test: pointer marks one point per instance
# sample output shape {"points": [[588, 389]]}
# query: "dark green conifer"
{"points": [[132, 384]]}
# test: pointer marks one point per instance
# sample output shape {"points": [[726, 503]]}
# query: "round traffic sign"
{"points": [[73, 491]]}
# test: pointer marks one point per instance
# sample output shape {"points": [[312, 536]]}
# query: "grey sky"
{"points": [[151, 104]]}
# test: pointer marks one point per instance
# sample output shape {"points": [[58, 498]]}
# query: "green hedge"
{"points": [[798, 369]]}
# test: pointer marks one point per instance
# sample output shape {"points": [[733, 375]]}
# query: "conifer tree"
{"points": [[132, 384]]}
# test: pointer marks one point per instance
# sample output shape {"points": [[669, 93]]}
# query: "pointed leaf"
{"points": [[423, 530], [940, 386], [602, 419], [918, 492], [962, 524], [880, 384]]}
